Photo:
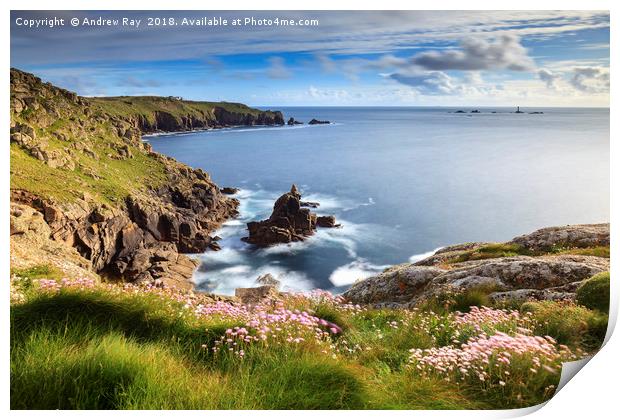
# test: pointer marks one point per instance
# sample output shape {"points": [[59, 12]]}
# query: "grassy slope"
{"points": [[104, 348], [113, 179], [91, 349]]}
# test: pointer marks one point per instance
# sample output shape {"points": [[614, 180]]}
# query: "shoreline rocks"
{"points": [[289, 222], [541, 276]]}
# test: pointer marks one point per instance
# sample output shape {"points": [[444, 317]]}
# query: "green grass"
{"points": [[132, 352], [594, 292], [500, 250], [41, 271], [597, 251], [490, 251], [115, 179], [570, 324], [104, 348], [85, 349]]}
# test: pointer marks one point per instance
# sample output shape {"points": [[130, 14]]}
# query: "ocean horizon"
{"points": [[403, 181]]}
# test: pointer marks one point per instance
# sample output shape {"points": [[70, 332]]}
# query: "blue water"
{"points": [[402, 181]]}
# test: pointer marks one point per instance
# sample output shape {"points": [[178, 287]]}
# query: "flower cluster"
{"points": [[269, 325], [481, 320], [487, 358]]}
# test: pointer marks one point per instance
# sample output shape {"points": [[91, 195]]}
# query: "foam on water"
{"points": [[420, 257], [357, 270], [238, 264]]}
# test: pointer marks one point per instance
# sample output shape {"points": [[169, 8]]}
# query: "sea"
{"points": [[403, 182]]}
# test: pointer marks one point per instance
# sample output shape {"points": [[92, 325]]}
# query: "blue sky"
{"points": [[472, 58]]}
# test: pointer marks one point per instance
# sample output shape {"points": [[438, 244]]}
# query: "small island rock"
{"points": [[314, 121], [289, 222]]}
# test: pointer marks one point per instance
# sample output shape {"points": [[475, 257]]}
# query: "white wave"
{"points": [[370, 202], [223, 256], [419, 257], [356, 270]]}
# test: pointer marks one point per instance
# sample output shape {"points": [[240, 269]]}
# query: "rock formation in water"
{"points": [[293, 121], [86, 187], [548, 264], [314, 121], [289, 222]]}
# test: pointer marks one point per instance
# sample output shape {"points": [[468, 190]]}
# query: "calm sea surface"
{"points": [[402, 181]]}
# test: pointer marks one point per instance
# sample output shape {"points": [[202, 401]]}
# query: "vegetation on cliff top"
{"points": [[79, 344], [147, 106]]}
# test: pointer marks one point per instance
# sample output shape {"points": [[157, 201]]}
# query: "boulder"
{"points": [[326, 221], [310, 204], [293, 121], [255, 295], [268, 280], [396, 285], [570, 236]]}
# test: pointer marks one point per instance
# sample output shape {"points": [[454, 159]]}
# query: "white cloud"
{"points": [[429, 83], [479, 54], [590, 79]]}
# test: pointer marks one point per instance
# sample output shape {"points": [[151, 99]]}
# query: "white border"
{"points": [[592, 395]]}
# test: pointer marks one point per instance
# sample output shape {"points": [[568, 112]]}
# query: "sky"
{"points": [[414, 58]]}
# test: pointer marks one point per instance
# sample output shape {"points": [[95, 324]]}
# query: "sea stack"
{"points": [[289, 222]]}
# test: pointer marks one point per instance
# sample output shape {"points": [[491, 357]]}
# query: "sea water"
{"points": [[401, 181]]}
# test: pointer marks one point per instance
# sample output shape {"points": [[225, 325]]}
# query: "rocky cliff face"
{"points": [[540, 272], [128, 211], [150, 114], [162, 121]]}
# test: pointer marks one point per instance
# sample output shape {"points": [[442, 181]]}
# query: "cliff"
{"points": [[79, 166], [152, 114]]}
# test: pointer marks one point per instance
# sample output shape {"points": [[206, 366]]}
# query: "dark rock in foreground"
{"points": [[289, 222], [314, 121]]}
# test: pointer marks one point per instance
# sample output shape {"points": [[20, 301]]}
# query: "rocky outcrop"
{"points": [[31, 245], [140, 237], [546, 276], [293, 121], [289, 222], [255, 295], [397, 285], [572, 236], [314, 121]]}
